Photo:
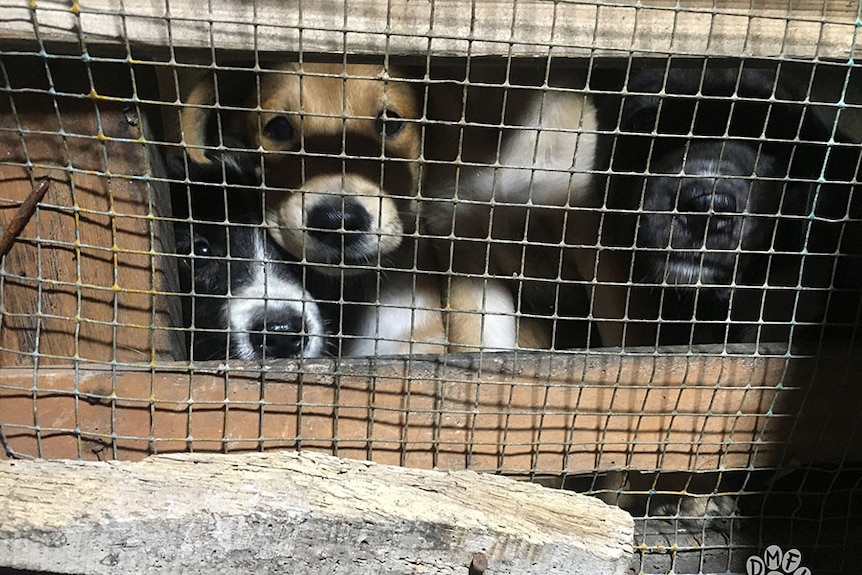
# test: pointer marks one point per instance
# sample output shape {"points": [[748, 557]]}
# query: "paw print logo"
{"points": [[776, 562]]}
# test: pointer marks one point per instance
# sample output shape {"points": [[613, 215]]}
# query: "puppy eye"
{"points": [[389, 123], [279, 129], [202, 248]]}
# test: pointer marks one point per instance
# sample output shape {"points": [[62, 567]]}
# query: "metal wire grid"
{"points": [[68, 143], [234, 403], [213, 22], [675, 212]]}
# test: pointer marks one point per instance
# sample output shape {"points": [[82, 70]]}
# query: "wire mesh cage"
{"points": [[611, 247]]}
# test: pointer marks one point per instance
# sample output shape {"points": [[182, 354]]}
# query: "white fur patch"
{"points": [[404, 320], [289, 226], [689, 274], [544, 159], [270, 290], [499, 324]]}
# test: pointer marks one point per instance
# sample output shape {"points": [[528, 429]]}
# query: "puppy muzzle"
{"points": [[273, 333], [346, 223], [710, 213], [700, 218], [339, 227]]}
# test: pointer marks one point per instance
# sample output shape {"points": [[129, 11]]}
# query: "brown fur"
{"points": [[336, 154], [338, 116]]}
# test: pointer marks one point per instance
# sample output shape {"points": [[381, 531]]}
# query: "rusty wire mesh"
{"points": [[582, 243]]}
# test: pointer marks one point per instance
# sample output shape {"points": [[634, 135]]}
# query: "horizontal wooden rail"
{"points": [[768, 28], [517, 413]]}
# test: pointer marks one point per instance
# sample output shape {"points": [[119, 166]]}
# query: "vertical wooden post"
{"points": [[85, 279]]}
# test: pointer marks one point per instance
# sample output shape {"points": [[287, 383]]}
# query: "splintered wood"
{"points": [[296, 513]]}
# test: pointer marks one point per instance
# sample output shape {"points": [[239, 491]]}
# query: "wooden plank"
{"points": [[84, 280], [735, 28], [515, 413], [292, 513]]}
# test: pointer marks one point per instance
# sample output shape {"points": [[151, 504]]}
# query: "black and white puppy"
{"points": [[247, 300], [713, 184]]}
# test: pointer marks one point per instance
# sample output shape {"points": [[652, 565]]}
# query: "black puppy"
{"points": [[247, 301], [713, 183]]}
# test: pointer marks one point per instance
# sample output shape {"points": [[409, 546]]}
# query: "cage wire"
{"points": [[536, 241]]}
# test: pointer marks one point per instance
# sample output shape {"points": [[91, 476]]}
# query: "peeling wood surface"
{"points": [[296, 513], [790, 28]]}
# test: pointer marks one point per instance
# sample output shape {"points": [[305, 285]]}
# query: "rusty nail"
{"points": [[23, 214]]}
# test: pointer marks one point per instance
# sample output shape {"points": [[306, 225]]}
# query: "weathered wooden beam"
{"points": [[793, 28], [85, 279], [296, 513], [536, 413]]}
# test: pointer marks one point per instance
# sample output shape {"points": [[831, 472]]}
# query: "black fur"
{"points": [[224, 260], [714, 185]]}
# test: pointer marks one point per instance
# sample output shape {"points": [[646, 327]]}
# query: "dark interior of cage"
{"points": [[725, 195]]}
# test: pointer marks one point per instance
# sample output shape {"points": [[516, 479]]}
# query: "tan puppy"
{"points": [[341, 144], [521, 207]]}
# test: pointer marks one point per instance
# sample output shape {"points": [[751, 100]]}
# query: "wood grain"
{"points": [[530, 28], [522, 414], [292, 513], [83, 280]]}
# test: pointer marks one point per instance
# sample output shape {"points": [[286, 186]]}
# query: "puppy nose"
{"points": [[277, 336], [336, 220]]}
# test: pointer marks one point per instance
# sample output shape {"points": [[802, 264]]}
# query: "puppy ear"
{"points": [[198, 115], [194, 117]]}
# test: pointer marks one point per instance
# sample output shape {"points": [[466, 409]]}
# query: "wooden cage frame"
{"points": [[548, 413]]}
